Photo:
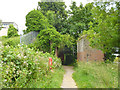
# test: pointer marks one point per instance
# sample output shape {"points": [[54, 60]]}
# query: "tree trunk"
{"points": [[50, 46], [56, 51]]}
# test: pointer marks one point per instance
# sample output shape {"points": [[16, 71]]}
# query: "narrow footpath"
{"points": [[68, 81]]}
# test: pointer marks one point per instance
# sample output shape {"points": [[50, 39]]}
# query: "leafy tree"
{"points": [[51, 17], [36, 21], [24, 31], [60, 14], [12, 31], [77, 22], [103, 32], [48, 39], [67, 40], [79, 18]]}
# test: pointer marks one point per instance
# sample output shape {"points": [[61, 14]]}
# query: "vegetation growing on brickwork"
{"points": [[96, 75], [104, 30]]}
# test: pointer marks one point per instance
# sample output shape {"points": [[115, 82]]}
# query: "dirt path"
{"points": [[68, 82]]}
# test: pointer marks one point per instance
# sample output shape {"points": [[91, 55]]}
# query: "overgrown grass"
{"points": [[50, 80], [96, 75]]}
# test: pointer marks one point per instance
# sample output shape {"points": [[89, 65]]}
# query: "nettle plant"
{"points": [[21, 65]]}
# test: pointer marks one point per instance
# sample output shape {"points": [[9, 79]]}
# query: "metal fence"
{"points": [[29, 37]]}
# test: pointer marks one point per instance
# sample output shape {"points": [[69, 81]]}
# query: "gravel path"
{"points": [[68, 82]]}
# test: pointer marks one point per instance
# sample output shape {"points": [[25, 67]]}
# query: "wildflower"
{"points": [[25, 56], [1, 61], [7, 72], [12, 63], [37, 52], [54, 62], [17, 72], [18, 56], [18, 44], [24, 62], [13, 69], [30, 72], [7, 46], [5, 80]]}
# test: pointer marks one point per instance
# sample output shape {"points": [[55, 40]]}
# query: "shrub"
{"points": [[21, 65], [14, 41], [12, 31]]}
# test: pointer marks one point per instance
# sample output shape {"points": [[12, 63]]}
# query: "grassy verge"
{"points": [[96, 75], [51, 80]]}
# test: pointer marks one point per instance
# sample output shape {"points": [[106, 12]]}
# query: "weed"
{"points": [[96, 75]]}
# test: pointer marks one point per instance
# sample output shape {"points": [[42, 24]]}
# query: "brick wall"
{"points": [[87, 53]]}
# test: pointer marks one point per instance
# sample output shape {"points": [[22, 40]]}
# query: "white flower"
{"points": [[37, 52], [13, 69], [54, 62], [7, 46], [7, 72], [12, 63], [18, 56], [24, 62], [5, 80], [17, 72], [30, 72], [25, 56], [18, 44], [1, 61]]}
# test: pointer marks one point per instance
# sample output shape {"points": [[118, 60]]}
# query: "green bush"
{"points": [[22, 65], [12, 31], [14, 41]]}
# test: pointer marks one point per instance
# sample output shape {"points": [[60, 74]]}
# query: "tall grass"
{"points": [[50, 80], [96, 75]]}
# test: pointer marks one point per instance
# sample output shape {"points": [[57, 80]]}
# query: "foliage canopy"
{"points": [[36, 21]]}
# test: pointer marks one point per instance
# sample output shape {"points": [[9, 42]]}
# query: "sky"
{"points": [[16, 10]]}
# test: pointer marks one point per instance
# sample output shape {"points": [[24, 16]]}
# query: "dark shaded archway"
{"points": [[66, 55]]}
